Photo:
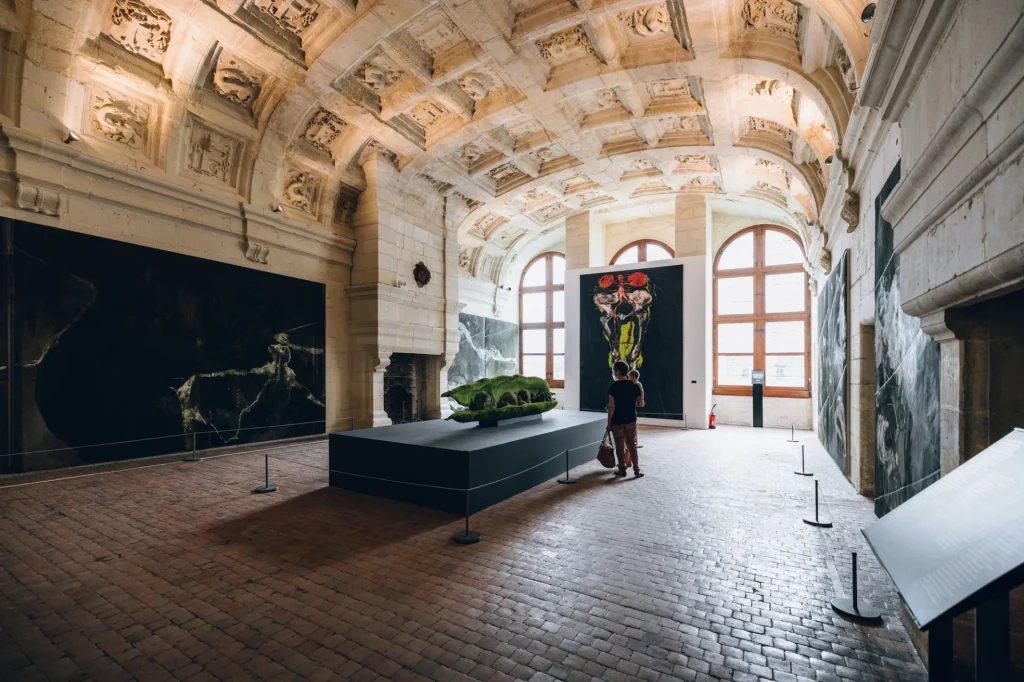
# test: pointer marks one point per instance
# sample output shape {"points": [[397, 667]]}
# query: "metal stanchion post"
{"points": [[803, 466], [817, 520], [792, 434], [852, 607], [567, 479], [193, 457], [267, 486], [467, 536]]}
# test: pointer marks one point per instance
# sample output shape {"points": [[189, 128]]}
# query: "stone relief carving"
{"points": [[373, 146], [546, 154], [826, 260], [846, 69], [850, 211], [120, 119], [647, 21], [694, 160], [427, 113], [778, 17], [772, 167], [323, 130], [140, 29], [766, 126], [772, 88], [670, 88], [257, 252], [301, 190], [606, 99], [642, 165], [346, 203], [503, 173], [566, 46], [442, 187], [476, 85], [38, 199], [292, 15], [465, 260], [700, 182], [237, 80], [212, 154], [472, 153], [551, 212], [377, 77], [436, 33], [683, 124]]}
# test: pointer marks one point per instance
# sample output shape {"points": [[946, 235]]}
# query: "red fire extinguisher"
{"points": [[711, 417]]}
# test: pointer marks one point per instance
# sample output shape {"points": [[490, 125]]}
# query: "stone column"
{"points": [[584, 242], [692, 225], [952, 403]]}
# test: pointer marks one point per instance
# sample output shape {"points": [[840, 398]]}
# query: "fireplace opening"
{"points": [[403, 387]]}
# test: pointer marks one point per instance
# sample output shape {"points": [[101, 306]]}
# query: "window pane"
{"points": [[557, 270], [740, 254], [734, 370], [784, 370], [736, 338], [535, 341], [736, 296], [535, 366], [558, 340], [784, 293], [559, 368], [534, 307], [656, 252], [630, 255], [535, 275], [784, 337], [780, 249], [558, 306]]}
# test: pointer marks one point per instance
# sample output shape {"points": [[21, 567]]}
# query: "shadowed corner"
{"points": [[325, 526]]}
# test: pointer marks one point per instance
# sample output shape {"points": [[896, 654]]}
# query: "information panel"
{"points": [[958, 536]]}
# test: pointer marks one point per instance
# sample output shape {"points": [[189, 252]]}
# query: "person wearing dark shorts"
{"points": [[622, 397]]}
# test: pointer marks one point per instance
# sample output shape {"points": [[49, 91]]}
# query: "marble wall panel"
{"points": [[487, 348]]}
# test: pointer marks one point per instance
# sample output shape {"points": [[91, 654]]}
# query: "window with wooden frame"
{"points": [[762, 314], [542, 319], [641, 251]]}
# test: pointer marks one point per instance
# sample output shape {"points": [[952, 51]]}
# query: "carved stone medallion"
{"points": [[140, 29], [292, 15], [566, 46], [377, 76], [647, 21], [476, 85], [850, 211], [237, 80], [778, 17], [323, 130], [301, 190], [212, 154], [120, 119], [465, 260]]}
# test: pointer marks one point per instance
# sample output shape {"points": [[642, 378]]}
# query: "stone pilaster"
{"points": [[692, 225]]}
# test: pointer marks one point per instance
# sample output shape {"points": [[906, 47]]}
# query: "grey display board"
{"points": [[961, 538]]}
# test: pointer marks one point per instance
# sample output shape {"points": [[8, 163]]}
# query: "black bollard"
{"points": [[792, 434], [567, 479], [817, 521], [852, 607], [467, 536], [267, 486], [803, 465]]}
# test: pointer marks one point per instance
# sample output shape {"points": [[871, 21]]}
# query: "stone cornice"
{"points": [[39, 162]]}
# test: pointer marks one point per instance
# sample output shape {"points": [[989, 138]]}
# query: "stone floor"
{"points": [[701, 570]]}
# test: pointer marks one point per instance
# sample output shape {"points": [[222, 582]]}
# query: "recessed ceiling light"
{"points": [[869, 13]]}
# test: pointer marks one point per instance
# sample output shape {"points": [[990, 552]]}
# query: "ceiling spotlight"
{"points": [[277, 208], [71, 138], [869, 13]]}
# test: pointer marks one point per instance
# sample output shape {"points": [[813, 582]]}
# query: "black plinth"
{"points": [[433, 463]]}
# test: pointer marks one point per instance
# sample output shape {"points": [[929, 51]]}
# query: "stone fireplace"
{"points": [[403, 388]]}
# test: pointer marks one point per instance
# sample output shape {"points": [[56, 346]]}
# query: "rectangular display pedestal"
{"points": [[450, 466]]}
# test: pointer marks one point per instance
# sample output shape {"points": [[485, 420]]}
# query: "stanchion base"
{"points": [[803, 473], [819, 523], [466, 537], [790, 440], [268, 488], [190, 458], [860, 611], [567, 480]]}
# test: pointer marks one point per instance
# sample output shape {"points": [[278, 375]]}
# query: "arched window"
{"points": [[542, 319], [762, 314], [641, 251]]}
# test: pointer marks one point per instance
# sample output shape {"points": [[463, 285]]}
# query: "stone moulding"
{"points": [[94, 181]]}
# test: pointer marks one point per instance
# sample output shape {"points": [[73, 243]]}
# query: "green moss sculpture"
{"points": [[501, 398]]}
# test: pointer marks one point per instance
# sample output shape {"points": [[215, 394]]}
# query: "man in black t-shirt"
{"points": [[622, 397]]}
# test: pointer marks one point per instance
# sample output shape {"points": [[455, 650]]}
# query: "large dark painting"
{"points": [[634, 315], [487, 348], [833, 363], [124, 351], [907, 382]]}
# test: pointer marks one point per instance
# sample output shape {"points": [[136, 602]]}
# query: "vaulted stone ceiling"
{"points": [[528, 110]]}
